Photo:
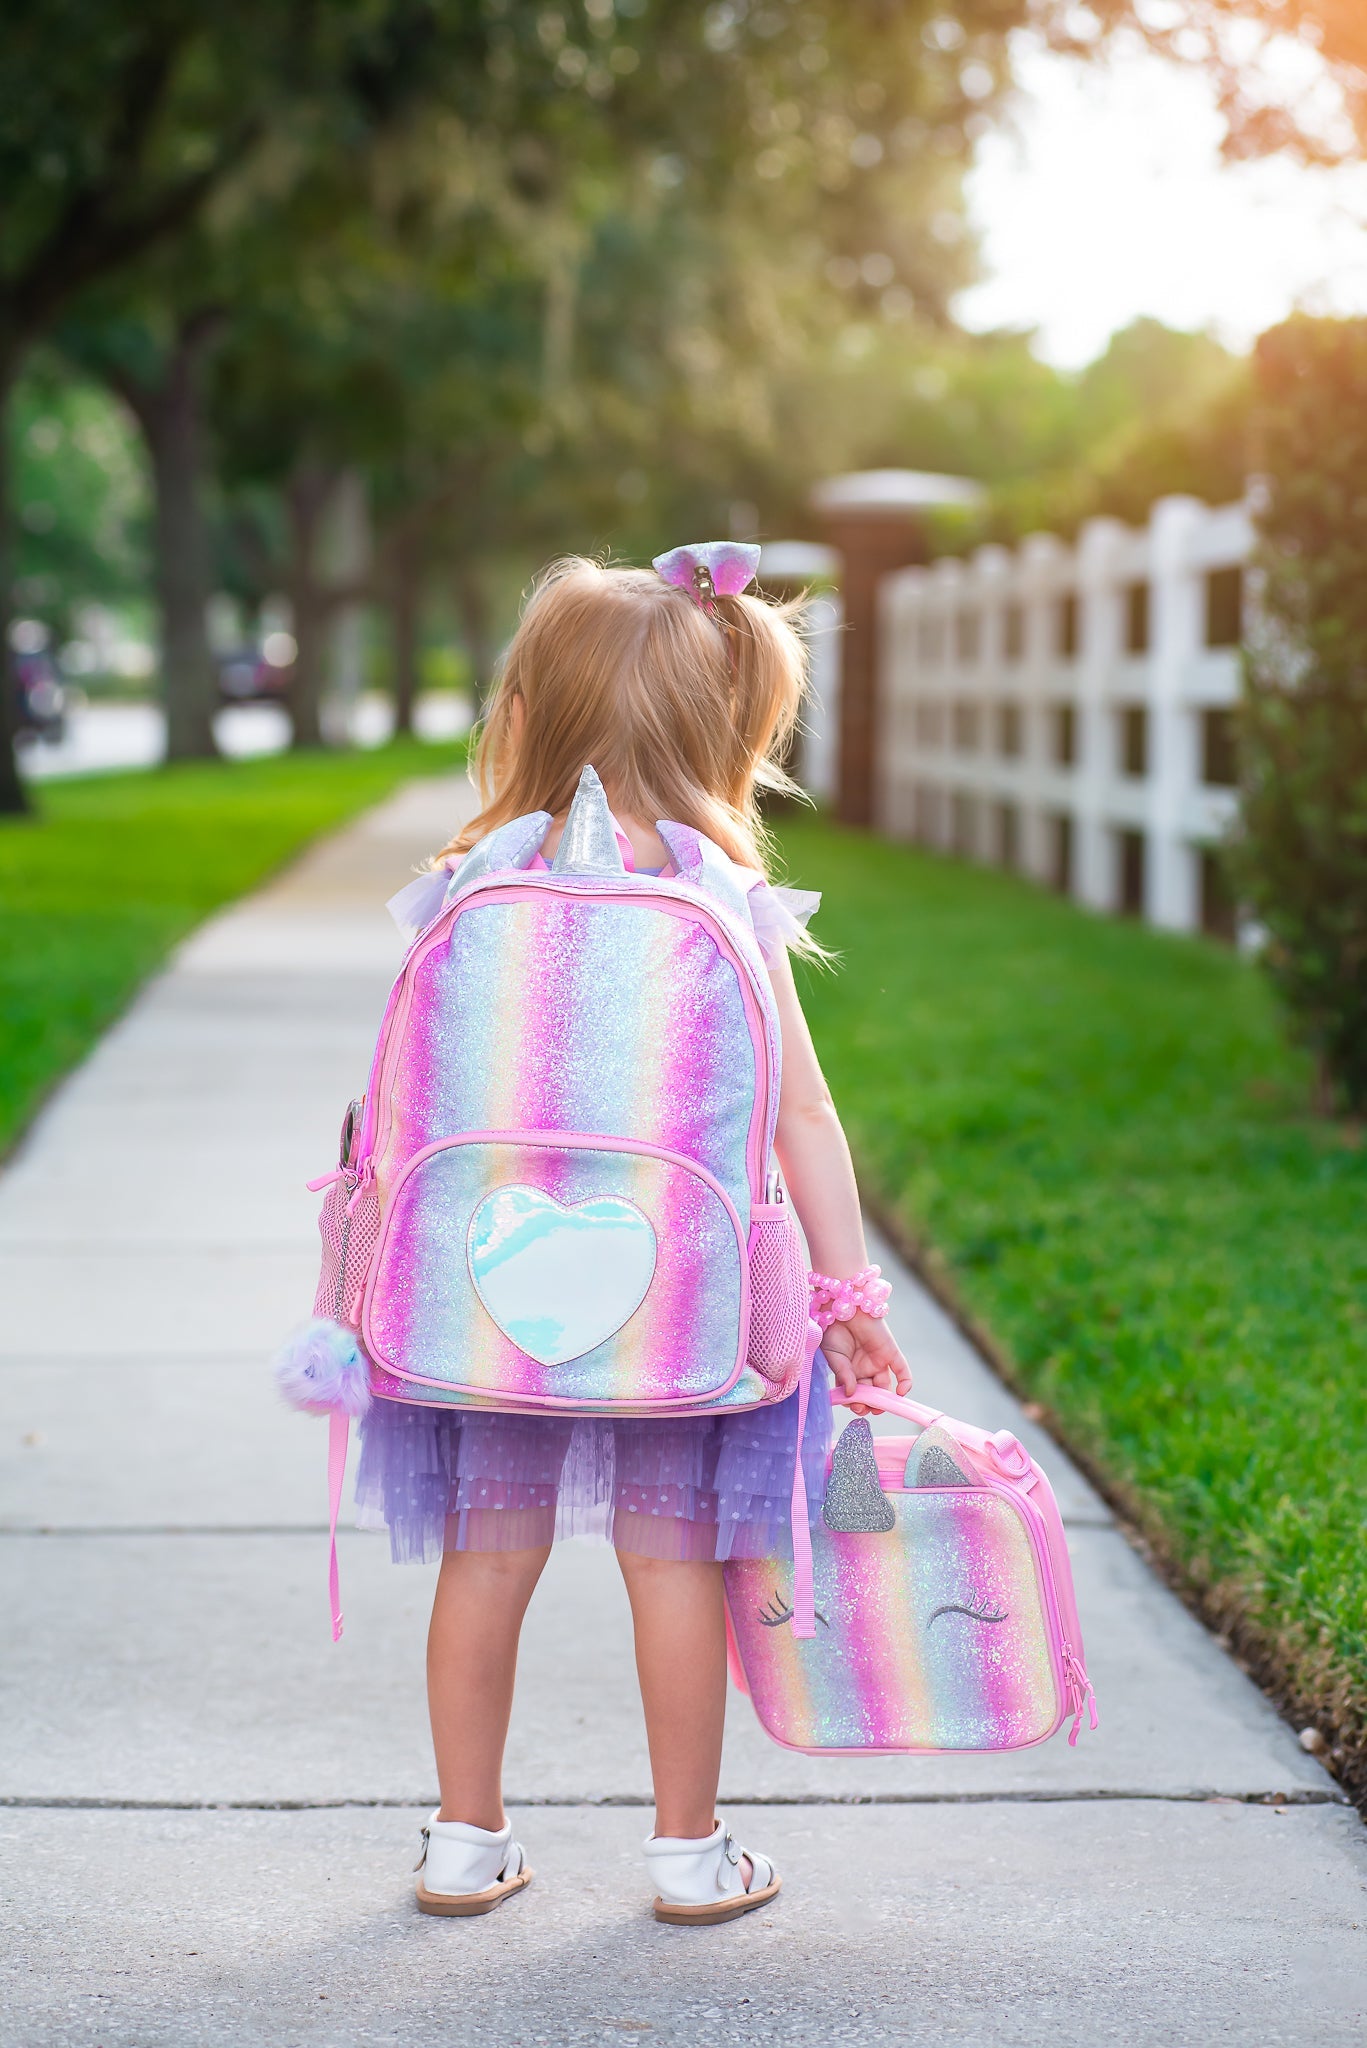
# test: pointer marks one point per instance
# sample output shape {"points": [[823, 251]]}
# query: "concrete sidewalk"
{"points": [[209, 1812]]}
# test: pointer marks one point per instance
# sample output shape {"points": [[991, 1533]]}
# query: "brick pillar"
{"points": [[871, 544]]}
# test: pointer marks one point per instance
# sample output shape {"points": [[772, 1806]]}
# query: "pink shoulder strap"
{"points": [[339, 1429], [804, 1589]]}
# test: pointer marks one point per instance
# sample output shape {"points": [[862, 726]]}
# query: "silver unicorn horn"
{"points": [[588, 844]]}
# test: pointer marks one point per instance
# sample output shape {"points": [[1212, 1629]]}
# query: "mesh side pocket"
{"points": [[778, 1294], [349, 1243]]}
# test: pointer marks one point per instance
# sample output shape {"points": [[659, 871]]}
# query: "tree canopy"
{"points": [[541, 273]]}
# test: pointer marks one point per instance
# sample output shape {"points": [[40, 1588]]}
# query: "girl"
{"points": [[682, 698]]}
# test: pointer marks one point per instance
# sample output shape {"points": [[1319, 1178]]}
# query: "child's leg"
{"points": [[477, 1615], [677, 1612]]}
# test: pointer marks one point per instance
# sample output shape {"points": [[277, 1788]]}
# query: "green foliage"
{"points": [[1099, 1129], [1300, 858], [118, 867], [1159, 411], [80, 486]]}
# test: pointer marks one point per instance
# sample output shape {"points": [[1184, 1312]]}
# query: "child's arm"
{"points": [[815, 1161]]}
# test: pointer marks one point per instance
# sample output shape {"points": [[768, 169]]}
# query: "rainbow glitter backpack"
{"points": [[558, 1193]]}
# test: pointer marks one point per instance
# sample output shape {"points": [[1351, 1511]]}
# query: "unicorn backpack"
{"points": [[557, 1193]]}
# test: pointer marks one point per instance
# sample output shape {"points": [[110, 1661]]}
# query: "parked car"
{"points": [[246, 677], [41, 700]]}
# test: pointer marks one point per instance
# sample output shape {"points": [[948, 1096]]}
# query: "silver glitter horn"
{"points": [[588, 844]]}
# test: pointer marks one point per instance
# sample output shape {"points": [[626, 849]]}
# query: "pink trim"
{"points": [[562, 1141], [338, 1430]]}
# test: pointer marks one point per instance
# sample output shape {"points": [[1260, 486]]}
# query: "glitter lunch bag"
{"points": [[558, 1192], [941, 1613]]}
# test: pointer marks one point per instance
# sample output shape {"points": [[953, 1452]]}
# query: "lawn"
{"points": [[115, 868], [1099, 1138]]}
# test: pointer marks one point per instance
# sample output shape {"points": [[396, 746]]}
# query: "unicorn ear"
{"points": [[855, 1501], [700, 862], [588, 844], [936, 1460], [514, 845]]}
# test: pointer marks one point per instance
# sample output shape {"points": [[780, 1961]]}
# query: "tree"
{"points": [[81, 497], [155, 362], [117, 122], [596, 261], [1300, 855], [1268, 104], [120, 122]]}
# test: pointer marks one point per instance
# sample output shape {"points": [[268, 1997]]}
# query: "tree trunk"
{"points": [[472, 600], [170, 413], [405, 591], [14, 798], [307, 496]]}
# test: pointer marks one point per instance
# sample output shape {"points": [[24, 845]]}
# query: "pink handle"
{"points": [[999, 1446], [891, 1404]]}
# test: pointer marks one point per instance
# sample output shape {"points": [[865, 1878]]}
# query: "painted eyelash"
{"points": [[976, 1610], [774, 1613]]}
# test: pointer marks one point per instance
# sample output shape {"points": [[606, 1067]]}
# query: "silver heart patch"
{"points": [[559, 1281]]}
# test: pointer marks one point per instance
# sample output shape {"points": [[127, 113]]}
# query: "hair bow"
{"points": [[709, 568]]}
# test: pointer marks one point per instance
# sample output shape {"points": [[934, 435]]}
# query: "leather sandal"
{"points": [[701, 1881], [465, 1869]]}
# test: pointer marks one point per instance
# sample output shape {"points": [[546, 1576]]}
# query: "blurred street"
{"points": [[104, 736], [210, 1812]]}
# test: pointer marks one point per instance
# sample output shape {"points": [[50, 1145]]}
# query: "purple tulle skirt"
{"points": [[708, 1487]]}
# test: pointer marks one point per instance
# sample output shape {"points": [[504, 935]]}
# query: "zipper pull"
{"points": [[364, 1181], [315, 1187], [1080, 1693]]}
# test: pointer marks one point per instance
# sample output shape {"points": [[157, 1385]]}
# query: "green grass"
{"points": [[1101, 1136], [114, 869]]}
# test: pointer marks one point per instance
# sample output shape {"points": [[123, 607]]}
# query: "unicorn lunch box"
{"points": [[941, 1597]]}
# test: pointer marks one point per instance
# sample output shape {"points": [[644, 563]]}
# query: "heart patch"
{"points": [[559, 1281]]}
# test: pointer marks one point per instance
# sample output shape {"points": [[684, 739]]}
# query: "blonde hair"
{"points": [[684, 718]]}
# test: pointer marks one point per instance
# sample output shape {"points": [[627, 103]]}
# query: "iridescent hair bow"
{"points": [[709, 569]]}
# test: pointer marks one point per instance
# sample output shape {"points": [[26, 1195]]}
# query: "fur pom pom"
{"points": [[321, 1368]]}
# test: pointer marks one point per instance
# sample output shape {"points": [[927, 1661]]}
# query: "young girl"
{"points": [[682, 699]]}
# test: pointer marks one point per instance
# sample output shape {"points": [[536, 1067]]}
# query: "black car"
{"points": [[41, 700], [246, 677]]}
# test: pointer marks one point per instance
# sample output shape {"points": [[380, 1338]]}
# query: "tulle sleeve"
{"points": [[779, 915], [415, 906]]}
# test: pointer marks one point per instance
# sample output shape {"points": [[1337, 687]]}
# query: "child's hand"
{"points": [[864, 1349]]}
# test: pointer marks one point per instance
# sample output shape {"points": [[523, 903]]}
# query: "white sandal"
{"points": [[700, 1882], [465, 1869]]}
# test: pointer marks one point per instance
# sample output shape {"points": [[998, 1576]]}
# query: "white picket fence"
{"points": [[1066, 711]]}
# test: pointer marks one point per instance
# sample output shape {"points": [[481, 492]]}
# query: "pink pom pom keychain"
{"points": [[835, 1301]]}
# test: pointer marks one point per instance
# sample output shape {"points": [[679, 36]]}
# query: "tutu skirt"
{"points": [[681, 1487]]}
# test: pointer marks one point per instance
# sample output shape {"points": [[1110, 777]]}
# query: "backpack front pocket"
{"points": [[550, 1270]]}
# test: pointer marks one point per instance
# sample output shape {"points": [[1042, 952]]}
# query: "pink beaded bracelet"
{"points": [[835, 1301]]}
